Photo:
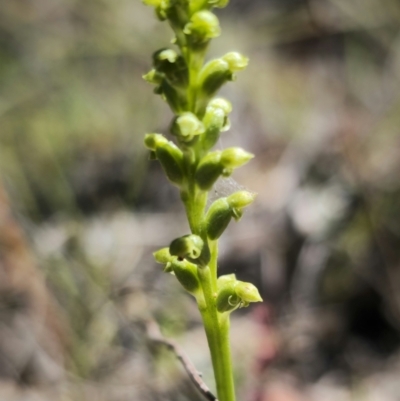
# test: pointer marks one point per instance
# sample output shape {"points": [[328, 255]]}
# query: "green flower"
{"points": [[203, 26]]}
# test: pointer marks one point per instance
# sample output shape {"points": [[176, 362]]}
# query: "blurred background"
{"points": [[82, 208]]}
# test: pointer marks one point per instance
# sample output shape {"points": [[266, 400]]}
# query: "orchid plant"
{"points": [[189, 86]]}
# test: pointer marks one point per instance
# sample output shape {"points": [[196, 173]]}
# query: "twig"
{"points": [[154, 334]]}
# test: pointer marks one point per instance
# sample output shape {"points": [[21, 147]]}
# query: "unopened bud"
{"points": [[241, 199], [171, 159], [233, 294], [162, 256], [209, 170], [187, 126], [203, 26], [220, 103], [153, 141], [217, 218], [188, 246], [247, 292], [215, 121], [172, 65], [236, 61], [235, 157], [213, 75], [186, 273], [227, 300], [226, 278], [162, 59]]}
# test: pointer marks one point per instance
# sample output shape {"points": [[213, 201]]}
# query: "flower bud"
{"points": [[226, 278], [221, 103], [171, 159], [241, 199], [213, 75], [186, 273], [164, 257], [215, 121], [236, 61], [187, 126], [247, 292], [153, 141], [203, 26], [238, 201], [227, 300], [209, 170], [235, 157], [217, 218], [219, 71], [188, 246], [172, 65], [162, 59], [233, 294]]}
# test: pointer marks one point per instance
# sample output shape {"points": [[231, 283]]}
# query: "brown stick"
{"points": [[154, 334]]}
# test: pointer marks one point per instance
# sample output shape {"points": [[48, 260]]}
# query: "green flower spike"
{"points": [[189, 87]]}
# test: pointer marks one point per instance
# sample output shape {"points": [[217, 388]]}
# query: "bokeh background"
{"points": [[82, 208]]}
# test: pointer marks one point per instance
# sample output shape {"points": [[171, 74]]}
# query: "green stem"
{"points": [[216, 327], [214, 262], [224, 376], [195, 61]]}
